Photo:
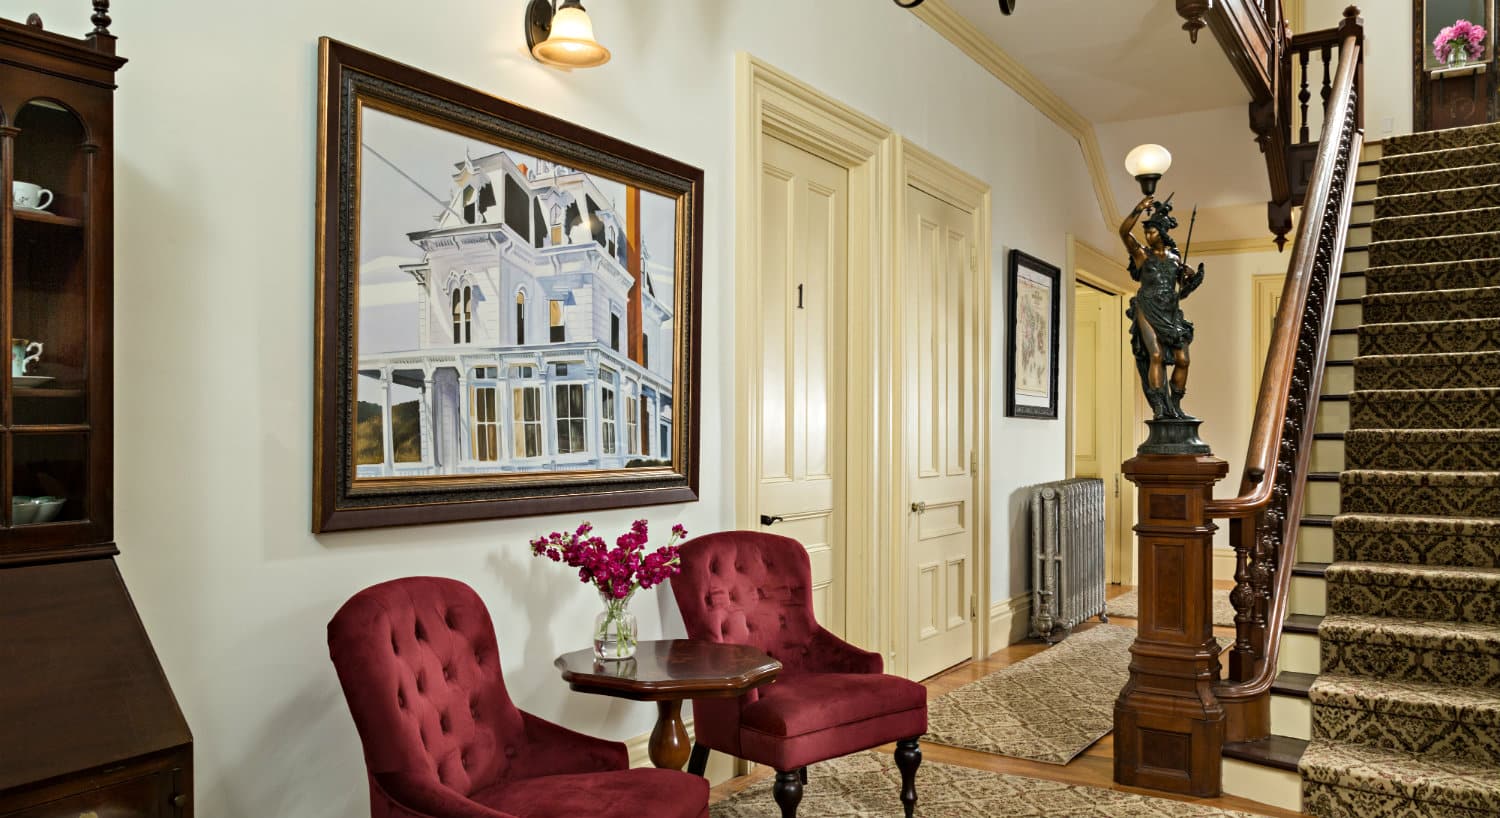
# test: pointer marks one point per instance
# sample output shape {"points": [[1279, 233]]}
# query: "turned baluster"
{"points": [[1327, 77], [101, 19], [1304, 96]]}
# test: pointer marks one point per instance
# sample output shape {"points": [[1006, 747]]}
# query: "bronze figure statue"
{"points": [[1159, 333]]}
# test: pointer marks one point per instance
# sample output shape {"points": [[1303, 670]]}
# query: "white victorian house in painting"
{"points": [[541, 342]]}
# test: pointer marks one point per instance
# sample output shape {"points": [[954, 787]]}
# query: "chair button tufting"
{"points": [[395, 648], [447, 673], [401, 698], [510, 752], [450, 620], [421, 683], [445, 724], [463, 759]]}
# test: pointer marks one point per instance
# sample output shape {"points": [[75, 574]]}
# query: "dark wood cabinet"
{"points": [[88, 722]]}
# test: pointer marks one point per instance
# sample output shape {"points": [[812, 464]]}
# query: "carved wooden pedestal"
{"points": [[1169, 727]]}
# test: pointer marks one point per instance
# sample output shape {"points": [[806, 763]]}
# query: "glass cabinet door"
{"points": [[47, 422]]}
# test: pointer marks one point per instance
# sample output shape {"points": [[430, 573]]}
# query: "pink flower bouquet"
{"points": [[1461, 41], [616, 573]]}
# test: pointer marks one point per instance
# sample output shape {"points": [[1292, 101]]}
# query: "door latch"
{"points": [[766, 519], [919, 507]]}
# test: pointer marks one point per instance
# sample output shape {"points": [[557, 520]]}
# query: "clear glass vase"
{"points": [[615, 629]]}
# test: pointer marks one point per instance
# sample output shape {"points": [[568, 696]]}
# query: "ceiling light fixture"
{"points": [[1006, 6], [563, 36], [1147, 163]]}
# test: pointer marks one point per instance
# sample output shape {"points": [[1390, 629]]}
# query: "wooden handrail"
{"points": [[1265, 514]]}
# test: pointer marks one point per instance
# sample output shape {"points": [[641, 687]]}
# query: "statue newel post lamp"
{"points": [[1169, 727]]}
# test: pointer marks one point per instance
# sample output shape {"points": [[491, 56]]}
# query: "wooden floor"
{"points": [[1094, 768]]}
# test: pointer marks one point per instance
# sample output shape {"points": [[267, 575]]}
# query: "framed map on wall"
{"points": [[507, 308], [1032, 344]]}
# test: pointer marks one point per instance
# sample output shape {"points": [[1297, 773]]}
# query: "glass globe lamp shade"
{"points": [[1147, 163], [571, 43]]}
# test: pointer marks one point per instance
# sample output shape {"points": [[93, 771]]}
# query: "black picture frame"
{"points": [[1023, 397], [354, 81]]}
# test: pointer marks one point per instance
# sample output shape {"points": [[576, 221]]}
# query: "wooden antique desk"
{"points": [[666, 672]]}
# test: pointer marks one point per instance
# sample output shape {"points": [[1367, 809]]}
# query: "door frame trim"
{"points": [[929, 173], [770, 102], [1089, 265]]}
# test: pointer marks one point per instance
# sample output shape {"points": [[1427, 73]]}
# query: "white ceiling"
{"points": [[1112, 60]]}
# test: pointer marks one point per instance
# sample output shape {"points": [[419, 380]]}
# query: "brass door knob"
{"points": [[919, 507], [179, 800]]}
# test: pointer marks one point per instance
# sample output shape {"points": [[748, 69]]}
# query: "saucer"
{"points": [[25, 209], [30, 380]]}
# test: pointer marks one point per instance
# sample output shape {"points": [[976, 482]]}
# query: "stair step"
{"points": [[1292, 684], [1281, 752], [1301, 623], [1452, 248], [1432, 225], [1422, 449], [1434, 493], [1446, 139], [1439, 370], [1352, 779], [1473, 273], [1427, 337], [1477, 197], [1310, 569], [1415, 717], [1417, 540], [1317, 520], [1428, 592], [1452, 157], [1437, 179], [1408, 649], [1464, 303], [1424, 409]]}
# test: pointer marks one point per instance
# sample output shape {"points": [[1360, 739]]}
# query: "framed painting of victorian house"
{"points": [[507, 308]]}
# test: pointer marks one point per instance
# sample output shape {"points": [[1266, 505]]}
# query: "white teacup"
{"points": [[29, 196]]}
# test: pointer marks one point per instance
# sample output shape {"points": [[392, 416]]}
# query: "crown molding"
{"points": [[956, 29], [1225, 247]]}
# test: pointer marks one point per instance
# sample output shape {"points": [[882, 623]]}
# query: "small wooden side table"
{"points": [[666, 672]]}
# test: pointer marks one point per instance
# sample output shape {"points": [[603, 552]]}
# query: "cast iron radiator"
{"points": [[1067, 555]]}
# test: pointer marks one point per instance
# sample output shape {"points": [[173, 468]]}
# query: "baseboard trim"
{"points": [[1010, 621], [1224, 564]]}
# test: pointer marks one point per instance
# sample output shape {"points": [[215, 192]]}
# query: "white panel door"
{"points": [[1098, 344], [938, 295], [804, 241]]}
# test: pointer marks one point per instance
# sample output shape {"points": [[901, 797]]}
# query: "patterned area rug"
{"points": [[1049, 707], [866, 785], [1127, 606]]}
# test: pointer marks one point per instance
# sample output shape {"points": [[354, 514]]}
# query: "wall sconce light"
{"points": [[563, 36], [1147, 163]]}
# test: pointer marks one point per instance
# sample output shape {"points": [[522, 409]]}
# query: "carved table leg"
{"points": [[669, 740]]}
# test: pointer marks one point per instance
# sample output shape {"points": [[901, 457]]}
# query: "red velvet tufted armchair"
{"points": [[831, 699], [421, 671]]}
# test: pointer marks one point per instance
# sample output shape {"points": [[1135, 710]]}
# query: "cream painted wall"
{"points": [[1388, 59], [217, 115], [1220, 386]]}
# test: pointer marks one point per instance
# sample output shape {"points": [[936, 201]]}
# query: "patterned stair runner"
{"points": [[1406, 710]]}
